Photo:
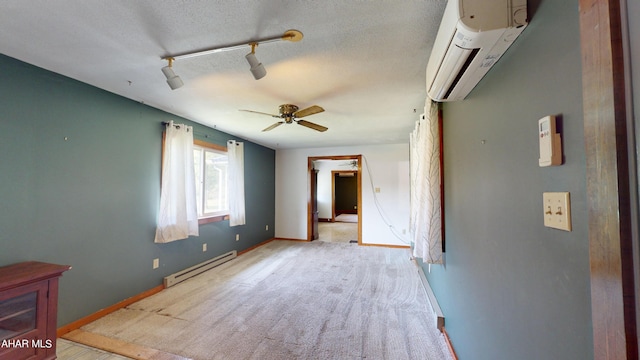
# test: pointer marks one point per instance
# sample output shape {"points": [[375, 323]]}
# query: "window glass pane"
{"points": [[197, 162], [215, 182], [17, 315], [211, 181]]}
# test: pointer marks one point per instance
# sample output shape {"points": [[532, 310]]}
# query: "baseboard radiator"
{"points": [[198, 269], [435, 307]]}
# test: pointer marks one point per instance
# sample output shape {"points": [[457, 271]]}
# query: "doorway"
{"points": [[312, 203], [344, 196]]}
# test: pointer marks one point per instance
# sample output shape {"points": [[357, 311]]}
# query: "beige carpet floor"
{"points": [[290, 300]]}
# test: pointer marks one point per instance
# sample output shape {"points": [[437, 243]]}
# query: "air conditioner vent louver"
{"points": [[466, 47], [464, 68]]}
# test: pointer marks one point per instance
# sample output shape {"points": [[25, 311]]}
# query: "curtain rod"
{"points": [[177, 126], [165, 123]]}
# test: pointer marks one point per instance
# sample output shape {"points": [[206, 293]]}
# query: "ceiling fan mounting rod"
{"points": [[287, 109], [289, 35]]}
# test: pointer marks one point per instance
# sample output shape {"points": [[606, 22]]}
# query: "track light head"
{"points": [[173, 80], [257, 69]]}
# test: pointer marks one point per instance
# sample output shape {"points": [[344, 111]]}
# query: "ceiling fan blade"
{"points": [[274, 126], [308, 111], [312, 125], [261, 113]]}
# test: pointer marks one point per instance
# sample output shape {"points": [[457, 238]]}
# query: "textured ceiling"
{"points": [[363, 61]]}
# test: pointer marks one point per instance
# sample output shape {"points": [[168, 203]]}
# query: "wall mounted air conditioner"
{"points": [[473, 35]]}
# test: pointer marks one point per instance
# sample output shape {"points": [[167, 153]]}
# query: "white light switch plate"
{"points": [[557, 210]]}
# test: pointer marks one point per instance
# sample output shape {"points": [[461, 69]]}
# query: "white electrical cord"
{"points": [[384, 216]]}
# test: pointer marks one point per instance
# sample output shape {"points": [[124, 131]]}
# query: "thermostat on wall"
{"points": [[550, 142]]}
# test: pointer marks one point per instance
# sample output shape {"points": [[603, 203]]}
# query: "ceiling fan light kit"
{"points": [[257, 69]]}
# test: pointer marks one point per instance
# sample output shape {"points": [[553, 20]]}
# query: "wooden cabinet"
{"points": [[29, 310]]}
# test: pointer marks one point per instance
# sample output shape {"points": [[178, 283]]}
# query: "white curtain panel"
{"points": [[426, 197], [235, 153], [178, 216]]}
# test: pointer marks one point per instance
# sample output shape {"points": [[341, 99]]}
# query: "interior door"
{"points": [[314, 205]]}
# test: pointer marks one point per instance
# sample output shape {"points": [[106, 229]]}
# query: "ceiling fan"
{"points": [[289, 114], [353, 164]]}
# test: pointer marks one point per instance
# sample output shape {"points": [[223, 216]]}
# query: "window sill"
{"points": [[213, 219]]}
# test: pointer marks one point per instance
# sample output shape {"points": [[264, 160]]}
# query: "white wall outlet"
{"points": [[266, 228], [557, 210], [237, 237], [204, 247], [156, 263]]}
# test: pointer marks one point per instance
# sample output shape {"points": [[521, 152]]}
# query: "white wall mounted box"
{"points": [[550, 142], [472, 37]]}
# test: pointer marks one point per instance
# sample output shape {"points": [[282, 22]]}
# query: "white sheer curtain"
{"points": [[426, 197], [235, 153], [178, 215]]}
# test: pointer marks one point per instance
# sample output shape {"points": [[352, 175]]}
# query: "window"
{"points": [[212, 195]]}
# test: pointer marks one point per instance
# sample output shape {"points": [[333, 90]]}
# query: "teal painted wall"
{"points": [[91, 201], [511, 288]]}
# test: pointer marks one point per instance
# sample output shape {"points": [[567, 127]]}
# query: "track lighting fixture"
{"points": [[173, 80], [257, 69]]}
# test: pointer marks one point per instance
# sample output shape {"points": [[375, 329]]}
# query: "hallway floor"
{"points": [[338, 231]]}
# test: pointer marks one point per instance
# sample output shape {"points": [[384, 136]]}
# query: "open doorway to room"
{"points": [[335, 198], [344, 196]]}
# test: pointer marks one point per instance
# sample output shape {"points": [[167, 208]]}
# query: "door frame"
{"points": [[358, 172], [608, 175]]}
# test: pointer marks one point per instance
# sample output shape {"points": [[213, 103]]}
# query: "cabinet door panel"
{"points": [[23, 317]]}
